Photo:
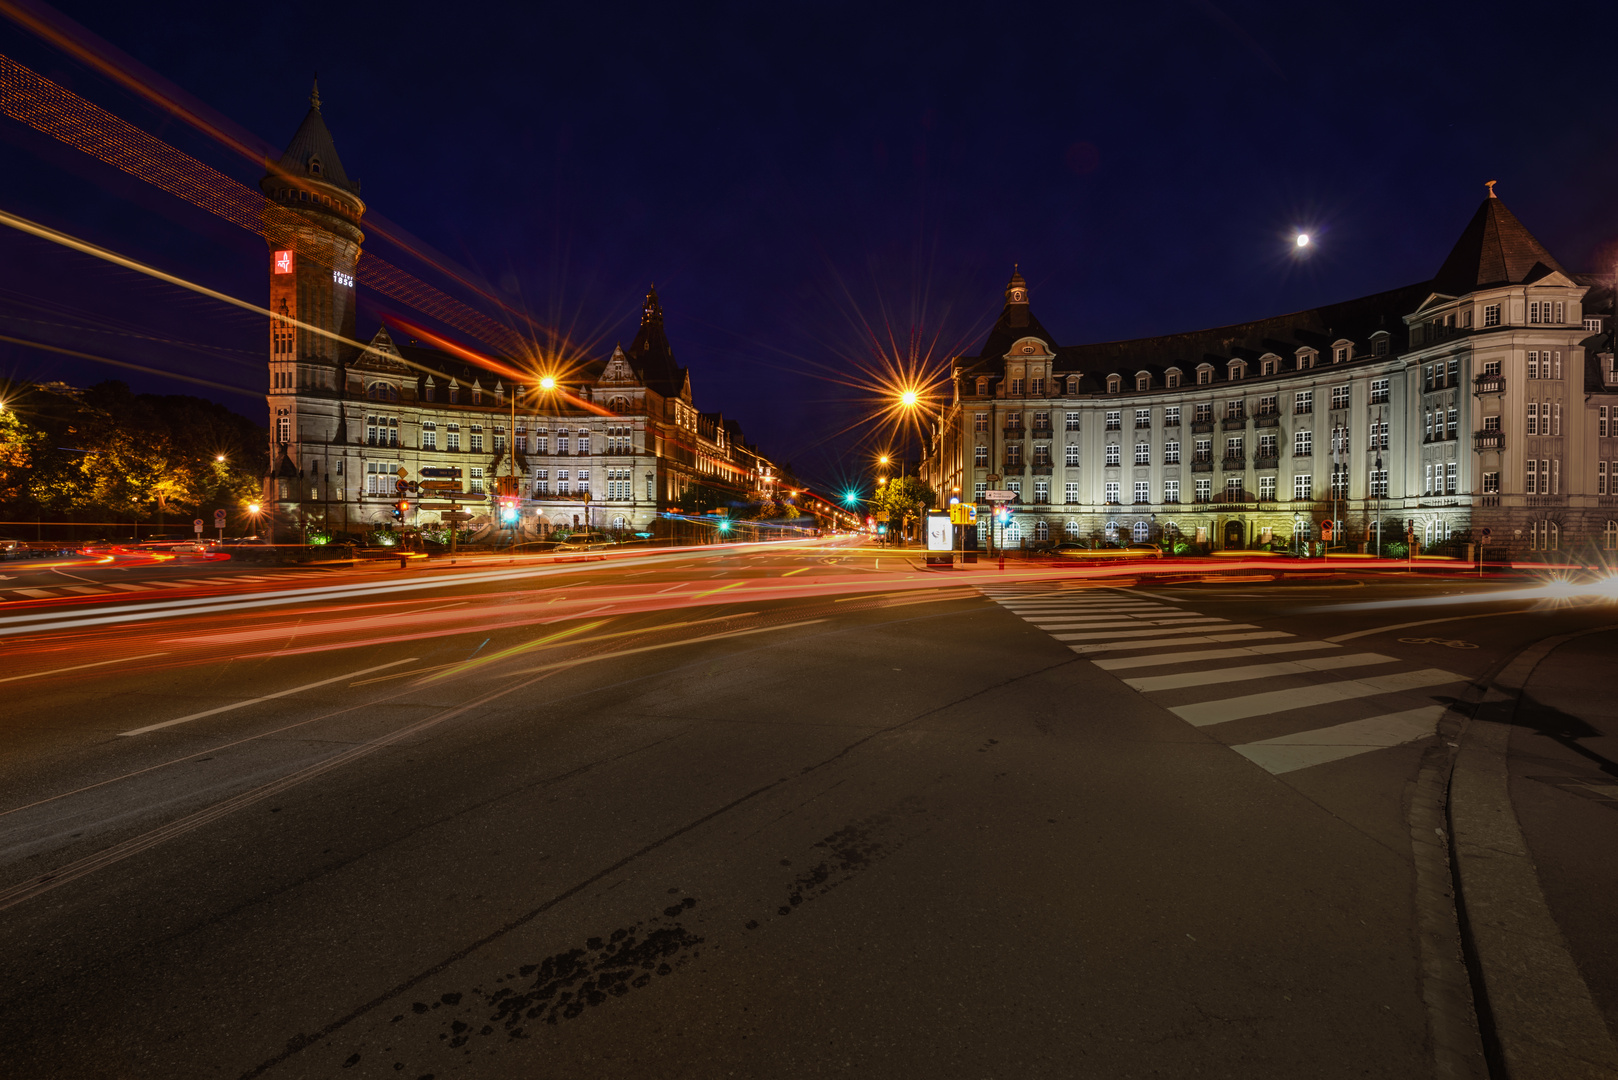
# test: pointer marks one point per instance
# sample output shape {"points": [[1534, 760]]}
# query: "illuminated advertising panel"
{"points": [[283, 262]]}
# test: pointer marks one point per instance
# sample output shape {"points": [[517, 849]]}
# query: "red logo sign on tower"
{"points": [[283, 262]]}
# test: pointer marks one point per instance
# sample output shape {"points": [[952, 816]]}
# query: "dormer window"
{"points": [[1342, 351], [1236, 370], [1379, 340], [1143, 381], [983, 388], [1204, 374], [477, 394], [1073, 384], [1115, 383], [1029, 349], [428, 389], [454, 394], [1172, 379], [1269, 364], [1306, 359], [314, 166]]}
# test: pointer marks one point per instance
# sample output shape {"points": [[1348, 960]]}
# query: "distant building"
{"points": [[348, 422], [1483, 398]]}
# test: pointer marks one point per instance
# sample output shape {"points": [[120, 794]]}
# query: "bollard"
{"points": [[1002, 562], [403, 562]]}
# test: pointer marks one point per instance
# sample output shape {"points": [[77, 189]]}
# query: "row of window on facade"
{"points": [[1268, 444], [1202, 490], [1303, 404], [386, 391], [384, 431], [620, 484], [1173, 378]]}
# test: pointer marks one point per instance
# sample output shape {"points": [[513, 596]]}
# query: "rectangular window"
{"points": [[651, 487], [1235, 410], [1491, 483], [429, 437], [1303, 402], [1114, 454], [1601, 478], [499, 440], [1450, 424], [1555, 474], [980, 455], [561, 443], [1143, 453], [1203, 449], [1171, 491], [1042, 421], [1491, 315], [1379, 391], [1042, 491], [1070, 491], [1171, 416], [1171, 453], [1112, 492], [978, 490], [1042, 454], [1203, 488], [980, 422], [1530, 482], [1266, 405], [1115, 420], [1204, 414], [1303, 486], [1556, 418], [584, 482], [1533, 418], [542, 442], [1427, 479], [1339, 397], [477, 438], [1014, 453], [1303, 443], [477, 480], [1072, 454], [1491, 367], [1038, 387], [1016, 388], [1233, 490], [1143, 418], [1234, 446], [1451, 478], [1533, 364], [1143, 491], [1266, 488], [1602, 431], [1491, 423], [1071, 421], [283, 430]]}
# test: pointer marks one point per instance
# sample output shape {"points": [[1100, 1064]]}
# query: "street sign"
{"points": [[400, 486], [197, 525], [441, 473], [456, 515], [403, 472], [219, 519], [1000, 496], [882, 515], [963, 514], [1485, 534], [440, 485], [1325, 530]]}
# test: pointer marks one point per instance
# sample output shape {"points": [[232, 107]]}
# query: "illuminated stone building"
{"points": [[1481, 398], [616, 444]]}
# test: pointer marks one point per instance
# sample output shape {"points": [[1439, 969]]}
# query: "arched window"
{"points": [[620, 405], [1012, 534], [1237, 370], [618, 522], [1071, 530], [1143, 381], [1112, 530], [1042, 531], [1172, 378], [381, 391], [1114, 384], [1142, 532], [983, 388]]}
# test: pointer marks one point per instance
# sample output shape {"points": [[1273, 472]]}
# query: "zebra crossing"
{"points": [[1282, 701], [108, 588]]}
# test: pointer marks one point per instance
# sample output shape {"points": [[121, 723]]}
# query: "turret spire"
{"points": [[314, 94]]}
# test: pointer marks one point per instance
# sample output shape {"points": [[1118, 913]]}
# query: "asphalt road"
{"points": [[774, 811]]}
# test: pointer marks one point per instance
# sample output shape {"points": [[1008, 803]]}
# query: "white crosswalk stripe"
{"points": [[1287, 690]]}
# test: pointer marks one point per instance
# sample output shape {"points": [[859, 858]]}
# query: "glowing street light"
{"points": [[252, 508], [219, 457], [547, 383], [909, 398]]}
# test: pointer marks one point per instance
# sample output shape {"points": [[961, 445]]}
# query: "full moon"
{"points": [[1303, 239]]}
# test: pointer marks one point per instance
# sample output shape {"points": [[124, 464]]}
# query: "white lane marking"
{"points": [[130, 587], [1114, 635], [266, 697], [1206, 639], [83, 589], [1011, 605], [1426, 622], [1224, 710], [1213, 676], [1196, 655], [81, 667], [1290, 752], [1089, 624], [37, 593]]}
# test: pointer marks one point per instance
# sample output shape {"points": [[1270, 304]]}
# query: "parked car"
{"points": [[585, 541]]}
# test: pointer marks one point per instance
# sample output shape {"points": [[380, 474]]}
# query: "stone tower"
{"points": [[312, 225]]}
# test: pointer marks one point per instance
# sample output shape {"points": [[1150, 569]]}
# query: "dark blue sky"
{"points": [[782, 171]]}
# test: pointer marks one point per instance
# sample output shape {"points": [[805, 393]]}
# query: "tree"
{"points": [[904, 497]]}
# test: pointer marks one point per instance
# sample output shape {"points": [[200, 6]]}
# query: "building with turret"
{"points": [[616, 444], [1481, 399]]}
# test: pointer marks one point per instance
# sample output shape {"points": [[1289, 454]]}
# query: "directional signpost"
{"points": [[196, 525]]}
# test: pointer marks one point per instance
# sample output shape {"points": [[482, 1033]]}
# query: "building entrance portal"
{"points": [[1234, 533]]}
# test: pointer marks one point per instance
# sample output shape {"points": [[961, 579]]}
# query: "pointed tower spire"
{"points": [[314, 94], [1016, 299], [652, 313], [1495, 249]]}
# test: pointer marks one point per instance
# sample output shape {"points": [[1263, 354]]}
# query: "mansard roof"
{"points": [[1495, 249], [312, 152]]}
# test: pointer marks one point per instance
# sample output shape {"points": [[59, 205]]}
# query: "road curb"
{"points": [[1543, 1022]]}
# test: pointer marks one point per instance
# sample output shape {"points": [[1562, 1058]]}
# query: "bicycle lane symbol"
{"points": [[1448, 643]]}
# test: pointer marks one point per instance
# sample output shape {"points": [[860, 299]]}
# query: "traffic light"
{"points": [[508, 509], [400, 509]]}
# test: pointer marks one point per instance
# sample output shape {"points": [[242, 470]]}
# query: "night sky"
{"points": [[789, 174]]}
